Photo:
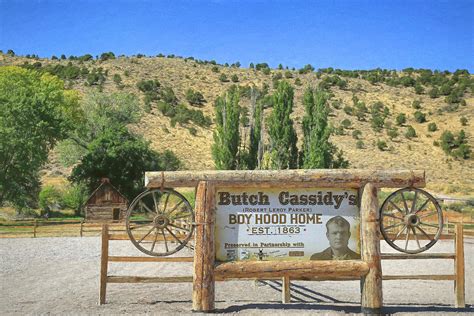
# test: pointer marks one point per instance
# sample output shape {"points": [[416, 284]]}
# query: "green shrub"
{"points": [[432, 127], [463, 121], [192, 131], [49, 198], [419, 89], [223, 78], [266, 71], [194, 98], [234, 78], [298, 82], [381, 145], [348, 110], [416, 104], [420, 117], [392, 133], [401, 119], [346, 123], [288, 74], [215, 69], [434, 93], [410, 132], [356, 134], [359, 144], [74, 197]]}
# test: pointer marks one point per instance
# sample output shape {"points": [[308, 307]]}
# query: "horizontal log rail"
{"points": [[149, 259], [292, 269], [350, 178]]}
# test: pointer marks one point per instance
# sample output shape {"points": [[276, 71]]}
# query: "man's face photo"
{"points": [[338, 236]]}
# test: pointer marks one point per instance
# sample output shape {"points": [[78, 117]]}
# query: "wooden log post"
{"points": [[372, 297], [82, 226], [34, 228], [204, 252], [459, 283], [285, 290], [104, 264]]}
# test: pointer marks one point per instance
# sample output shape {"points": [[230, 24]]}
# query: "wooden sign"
{"points": [[287, 224]]}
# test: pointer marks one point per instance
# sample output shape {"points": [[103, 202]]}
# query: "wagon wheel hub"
{"points": [[161, 221], [412, 220]]}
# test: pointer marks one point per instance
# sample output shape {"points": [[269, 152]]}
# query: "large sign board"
{"points": [[287, 224]]}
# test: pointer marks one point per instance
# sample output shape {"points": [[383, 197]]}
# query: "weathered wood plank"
{"points": [[140, 279], [291, 269], [372, 296], [439, 277], [149, 259], [285, 290], [351, 178], [397, 256]]}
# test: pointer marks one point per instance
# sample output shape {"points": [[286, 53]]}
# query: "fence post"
{"points": [[82, 223], [372, 296], [104, 263], [459, 284], [285, 290], [34, 228], [204, 252]]}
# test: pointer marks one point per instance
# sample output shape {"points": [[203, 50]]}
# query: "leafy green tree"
{"points": [[35, 113], [226, 134], [282, 135], [123, 158], [318, 151], [74, 197]]}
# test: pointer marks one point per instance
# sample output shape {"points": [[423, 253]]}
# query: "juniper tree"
{"points": [[282, 135], [318, 151], [226, 134]]}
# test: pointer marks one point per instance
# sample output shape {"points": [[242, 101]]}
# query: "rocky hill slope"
{"points": [[192, 143]]}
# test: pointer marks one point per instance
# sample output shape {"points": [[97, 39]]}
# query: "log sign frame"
{"points": [[289, 224]]}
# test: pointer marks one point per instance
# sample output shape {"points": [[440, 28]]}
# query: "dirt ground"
{"points": [[60, 276]]}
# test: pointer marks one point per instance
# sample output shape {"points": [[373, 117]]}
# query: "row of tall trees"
{"points": [[271, 143]]}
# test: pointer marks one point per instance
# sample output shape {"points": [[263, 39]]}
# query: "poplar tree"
{"points": [[318, 151], [255, 129], [226, 134], [283, 150]]}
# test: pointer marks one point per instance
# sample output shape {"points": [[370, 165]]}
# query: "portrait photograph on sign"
{"points": [[282, 224]]}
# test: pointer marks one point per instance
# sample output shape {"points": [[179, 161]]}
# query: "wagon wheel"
{"points": [[405, 224], [160, 222]]}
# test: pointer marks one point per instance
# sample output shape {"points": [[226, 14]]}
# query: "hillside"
{"points": [[444, 173]]}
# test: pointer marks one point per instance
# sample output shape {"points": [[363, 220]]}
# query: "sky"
{"points": [[345, 34]]}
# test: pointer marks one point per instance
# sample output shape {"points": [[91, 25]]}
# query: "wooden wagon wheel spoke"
{"points": [[175, 207], [404, 202], [174, 236], [154, 241], [414, 203], [416, 237], [146, 207], [392, 216], [413, 219], [158, 206], [399, 233], [429, 225], [149, 232], [394, 225], [423, 206], [424, 233], [428, 215], [394, 205], [157, 210], [164, 238], [179, 227], [135, 226]]}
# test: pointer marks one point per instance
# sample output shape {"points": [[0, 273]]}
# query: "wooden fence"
{"points": [[458, 276]]}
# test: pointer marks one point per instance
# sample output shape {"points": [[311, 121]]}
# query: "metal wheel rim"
{"points": [[409, 219], [182, 242]]}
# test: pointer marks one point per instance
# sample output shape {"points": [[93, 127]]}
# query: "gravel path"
{"points": [[60, 276]]}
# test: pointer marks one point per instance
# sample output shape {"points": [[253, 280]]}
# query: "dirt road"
{"points": [[60, 276]]}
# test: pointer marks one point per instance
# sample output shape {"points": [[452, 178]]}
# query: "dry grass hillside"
{"points": [[445, 174]]}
